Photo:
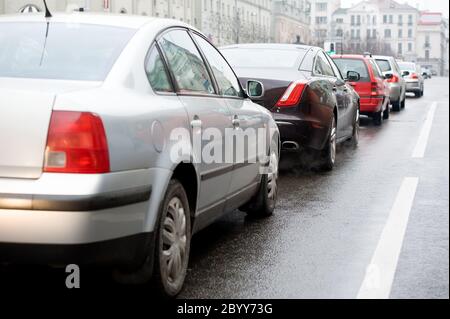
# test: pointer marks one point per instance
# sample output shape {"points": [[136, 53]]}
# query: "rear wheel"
{"points": [[378, 118], [355, 137], [328, 155], [166, 265], [263, 203], [387, 112], [396, 106]]}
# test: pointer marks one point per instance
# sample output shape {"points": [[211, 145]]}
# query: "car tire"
{"points": [[378, 118], [174, 219], [328, 155], [356, 130], [396, 106], [387, 112], [263, 204], [418, 94], [403, 103]]}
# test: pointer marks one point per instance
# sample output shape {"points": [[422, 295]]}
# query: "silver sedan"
{"points": [[121, 137]]}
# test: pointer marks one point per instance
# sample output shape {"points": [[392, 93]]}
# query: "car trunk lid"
{"points": [[25, 112], [275, 83]]}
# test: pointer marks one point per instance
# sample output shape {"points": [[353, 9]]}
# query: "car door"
{"points": [[323, 68], [351, 106], [209, 116], [247, 120]]}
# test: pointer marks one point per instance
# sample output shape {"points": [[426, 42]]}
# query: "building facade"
{"points": [[381, 27], [432, 42], [321, 17], [291, 21]]}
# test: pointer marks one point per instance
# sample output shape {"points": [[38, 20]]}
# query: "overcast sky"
{"points": [[433, 5]]}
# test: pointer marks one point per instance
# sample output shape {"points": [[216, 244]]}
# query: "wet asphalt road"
{"points": [[326, 226]]}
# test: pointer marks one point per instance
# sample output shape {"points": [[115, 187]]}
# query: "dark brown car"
{"points": [[310, 100]]}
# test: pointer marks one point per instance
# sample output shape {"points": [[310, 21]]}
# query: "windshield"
{"points": [[71, 51], [356, 65], [264, 58], [384, 65]]}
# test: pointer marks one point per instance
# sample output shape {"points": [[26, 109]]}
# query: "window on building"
{"points": [[410, 47], [410, 33], [400, 33], [321, 6], [400, 48], [387, 33]]}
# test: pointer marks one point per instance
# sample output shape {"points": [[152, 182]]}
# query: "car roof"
{"points": [[351, 56], [384, 57], [272, 46], [106, 19]]}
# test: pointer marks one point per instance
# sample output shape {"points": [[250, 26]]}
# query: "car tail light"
{"points": [[374, 88], [414, 76], [292, 95], [76, 143], [394, 79]]}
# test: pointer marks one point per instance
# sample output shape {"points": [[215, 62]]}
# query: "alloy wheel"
{"points": [[174, 241]]}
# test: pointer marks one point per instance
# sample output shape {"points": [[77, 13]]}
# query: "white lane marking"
{"points": [[380, 273], [421, 146]]}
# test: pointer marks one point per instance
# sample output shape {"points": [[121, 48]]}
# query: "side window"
{"points": [[375, 69], [336, 70], [186, 63], [226, 80], [157, 73], [322, 67]]}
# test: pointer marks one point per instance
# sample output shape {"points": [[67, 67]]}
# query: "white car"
{"points": [[88, 106]]}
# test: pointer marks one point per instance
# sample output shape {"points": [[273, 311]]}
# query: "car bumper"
{"points": [[369, 105], [63, 215], [413, 86], [305, 132], [73, 208]]}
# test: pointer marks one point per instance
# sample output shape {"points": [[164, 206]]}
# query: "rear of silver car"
{"points": [[57, 189], [397, 84]]}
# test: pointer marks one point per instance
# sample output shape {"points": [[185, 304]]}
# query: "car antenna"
{"points": [[48, 14]]}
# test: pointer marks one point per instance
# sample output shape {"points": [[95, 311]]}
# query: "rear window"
{"points": [[375, 69], [69, 52], [356, 65], [264, 58], [384, 65], [411, 67]]}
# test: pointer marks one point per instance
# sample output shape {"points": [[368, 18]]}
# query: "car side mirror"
{"points": [[255, 89], [388, 76], [405, 73], [353, 76]]}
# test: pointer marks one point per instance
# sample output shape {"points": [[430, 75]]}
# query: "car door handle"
{"points": [[236, 122], [196, 123]]}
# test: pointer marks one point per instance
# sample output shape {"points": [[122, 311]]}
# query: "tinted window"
{"points": [[186, 62], [227, 81], [264, 58], [322, 66], [157, 73], [384, 65], [356, 65], [71, 52]]}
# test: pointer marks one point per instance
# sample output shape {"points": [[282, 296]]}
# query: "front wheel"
{"points": [[263, 203]]}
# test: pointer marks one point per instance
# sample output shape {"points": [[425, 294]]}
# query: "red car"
{"points": [[371, 87]]}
